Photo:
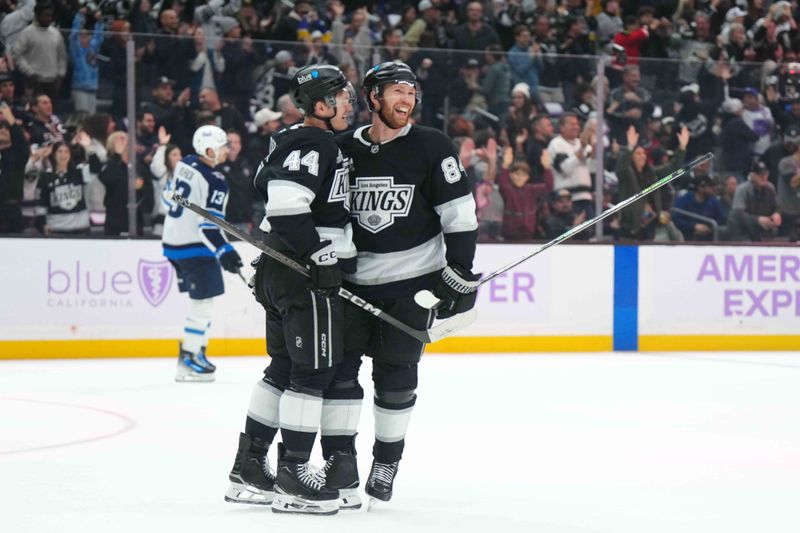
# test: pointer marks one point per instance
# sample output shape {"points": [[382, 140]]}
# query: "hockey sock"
{"points": [[300, 414], [392, 414], [263, 412], [196, 324], [341, 409]]}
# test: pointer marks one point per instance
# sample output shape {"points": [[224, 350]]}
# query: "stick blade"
{"points": [[452, 325]]}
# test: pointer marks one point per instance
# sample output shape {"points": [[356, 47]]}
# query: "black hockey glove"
{"points": [[230, 260], [458, 290], [256, 281], [326, 277]]}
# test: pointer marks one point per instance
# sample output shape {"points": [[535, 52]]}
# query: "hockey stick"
{"points": [[427, 300], [433, 334]]}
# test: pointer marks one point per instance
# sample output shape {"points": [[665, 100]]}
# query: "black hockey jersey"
{"points": [[305, 187], [412, 208], [62, 199]]}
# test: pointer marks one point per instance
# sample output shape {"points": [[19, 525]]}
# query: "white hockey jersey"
{"points": [[187, 234]]}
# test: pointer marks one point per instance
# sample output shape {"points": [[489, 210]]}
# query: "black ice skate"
{"points": [[191, 367], [252, 480], [341, 473], [380, 481], [301, 489]]}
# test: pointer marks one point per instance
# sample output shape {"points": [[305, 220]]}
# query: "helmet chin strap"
{"points": [[327, 120]]}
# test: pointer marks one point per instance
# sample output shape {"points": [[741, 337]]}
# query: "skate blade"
{"points": [[285, 503], [349, 500], [189, 376], [239, 493], [372, 503]]}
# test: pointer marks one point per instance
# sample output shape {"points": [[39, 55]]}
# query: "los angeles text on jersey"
{"points": [[377, 201]]}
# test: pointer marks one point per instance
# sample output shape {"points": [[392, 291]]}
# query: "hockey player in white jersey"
{"points": [[196, 247]]}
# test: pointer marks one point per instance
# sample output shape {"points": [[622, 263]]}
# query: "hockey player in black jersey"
{"points": [[305, 186], [415, 228]]}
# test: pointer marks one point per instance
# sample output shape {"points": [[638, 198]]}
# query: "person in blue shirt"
{"points": [[83, 48], [700, 200]]}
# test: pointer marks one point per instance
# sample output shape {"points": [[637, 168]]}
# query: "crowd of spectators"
{"points": [[514, 83]]}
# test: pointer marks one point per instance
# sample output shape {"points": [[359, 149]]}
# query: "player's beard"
{"points": [[393, 119]]}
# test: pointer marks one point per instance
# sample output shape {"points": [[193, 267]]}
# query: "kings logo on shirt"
{"points": [[377, 202]]}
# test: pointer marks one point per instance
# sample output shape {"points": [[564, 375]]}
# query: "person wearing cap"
{"points": [[754, 215], [701, 200], [428, 19], [562, 218], [783, 147], [318, 53], [170, 112], [759, 118], [519, 114], [465, 90], [785, 117], [789, 191], [735, 139], [267, 122]]}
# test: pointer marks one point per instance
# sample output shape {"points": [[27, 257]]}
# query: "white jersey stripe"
{"points": [[288, 198], [458, 215], [377, 269], [300, 412], [342, 239]]}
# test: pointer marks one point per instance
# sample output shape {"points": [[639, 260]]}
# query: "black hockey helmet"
{"points": [[389, 72], [316, 82]]}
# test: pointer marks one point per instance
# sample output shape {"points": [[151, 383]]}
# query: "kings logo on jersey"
{"points": [[377, 202], [341, 181]]}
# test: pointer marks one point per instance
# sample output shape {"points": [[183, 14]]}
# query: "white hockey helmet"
{"points": [[209, 137]]}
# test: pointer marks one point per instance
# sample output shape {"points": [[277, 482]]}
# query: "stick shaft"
{"points": [[421, 335], [605, 214]]}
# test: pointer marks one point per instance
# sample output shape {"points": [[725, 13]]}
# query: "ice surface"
{"points": [[641, 443]]}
